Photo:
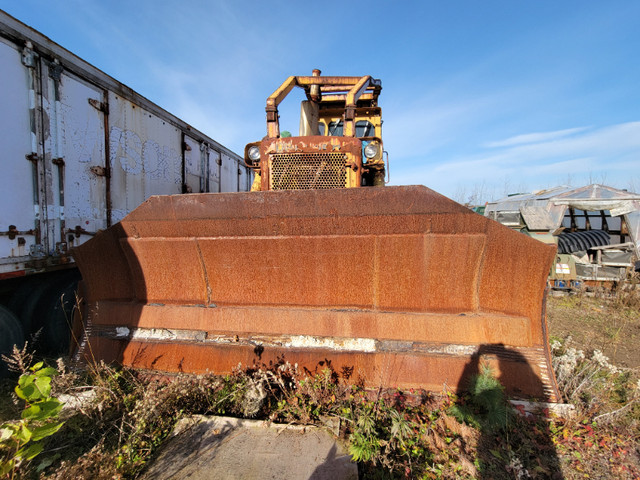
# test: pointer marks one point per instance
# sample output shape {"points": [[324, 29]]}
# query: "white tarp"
{"points": [[545, 210]]}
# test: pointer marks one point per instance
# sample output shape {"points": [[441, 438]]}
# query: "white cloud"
{"points": [[424, 124], [611, 153], [537, 137], [606, 145]]}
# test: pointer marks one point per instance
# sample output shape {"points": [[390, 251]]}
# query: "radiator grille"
{"points": [[303, 171]]}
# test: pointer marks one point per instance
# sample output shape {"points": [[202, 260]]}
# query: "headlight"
{"points": [[371, 150], [254, 153]]}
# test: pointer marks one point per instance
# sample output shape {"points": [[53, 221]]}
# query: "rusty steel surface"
{"points": [[351, 90], [352, 86], [296, 163], [399, 286]]}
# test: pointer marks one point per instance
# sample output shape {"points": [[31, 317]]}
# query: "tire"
{"points": [[53, 314], [25, 299]]}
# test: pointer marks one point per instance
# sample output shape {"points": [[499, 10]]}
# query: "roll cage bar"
{"points": [[324, 90]]}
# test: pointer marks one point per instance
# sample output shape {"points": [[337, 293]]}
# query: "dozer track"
{"points": [[398, 286]]}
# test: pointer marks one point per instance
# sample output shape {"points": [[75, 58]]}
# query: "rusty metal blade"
{"points": [[399, 285]]}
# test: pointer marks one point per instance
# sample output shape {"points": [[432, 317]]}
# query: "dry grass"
{"points": [[601, 320]]}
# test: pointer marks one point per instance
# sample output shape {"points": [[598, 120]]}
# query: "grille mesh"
{"points": [[303, 171]]}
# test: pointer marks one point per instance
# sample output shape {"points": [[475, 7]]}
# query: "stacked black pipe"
{"points": [[571, 242]]}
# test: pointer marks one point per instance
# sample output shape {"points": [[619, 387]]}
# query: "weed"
{"points": [[21, 441], [592, 384], [487, 405], [20, 359]]}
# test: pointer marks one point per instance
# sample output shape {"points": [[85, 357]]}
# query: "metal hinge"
{"points": [[13, 232], [29, 56], [55, 71], [98, 105]]}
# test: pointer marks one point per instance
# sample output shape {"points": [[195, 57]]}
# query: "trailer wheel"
{"points": [[18, 298], [25, 299], [10, 335], [53, 314]]}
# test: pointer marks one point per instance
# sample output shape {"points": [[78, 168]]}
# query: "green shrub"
{"points": [[21, 441], [488, 407]]}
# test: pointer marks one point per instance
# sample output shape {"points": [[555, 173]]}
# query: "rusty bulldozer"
{"points": [[399, 286]]}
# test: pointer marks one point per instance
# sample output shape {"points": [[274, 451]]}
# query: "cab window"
{"points": [[365, 128], [335, 128]]}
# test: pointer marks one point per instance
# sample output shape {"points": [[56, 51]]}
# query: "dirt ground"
{"points": [[605, 322]]}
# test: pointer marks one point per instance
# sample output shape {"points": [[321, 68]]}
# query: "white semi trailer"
{"points": [[78, 151]]}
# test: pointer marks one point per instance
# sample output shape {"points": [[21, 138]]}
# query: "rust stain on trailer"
{"points": [[399, 284]]}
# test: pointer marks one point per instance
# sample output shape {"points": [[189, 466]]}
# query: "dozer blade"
{"points": [[398, 287]]}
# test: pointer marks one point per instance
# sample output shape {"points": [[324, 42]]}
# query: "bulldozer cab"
{"points": [[340, 140]]}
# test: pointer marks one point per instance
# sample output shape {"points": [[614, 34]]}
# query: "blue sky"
{"points": [[480, 98]]}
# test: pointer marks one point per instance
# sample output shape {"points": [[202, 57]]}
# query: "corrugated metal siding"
{"points": [[80, 143], [16, 179], [97, 151], [145, 155]]}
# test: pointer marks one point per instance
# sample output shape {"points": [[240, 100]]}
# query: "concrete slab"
{"points": [[202, 448]]}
